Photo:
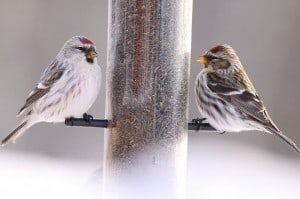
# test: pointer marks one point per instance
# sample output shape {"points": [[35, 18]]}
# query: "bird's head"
{"points": [[220, 58], [79, 47]]}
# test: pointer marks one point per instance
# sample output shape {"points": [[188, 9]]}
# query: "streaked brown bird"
{"points": [[226, 97]]}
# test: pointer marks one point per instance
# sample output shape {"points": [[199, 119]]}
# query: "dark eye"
{"points": [[212, 58], [81, 49]]}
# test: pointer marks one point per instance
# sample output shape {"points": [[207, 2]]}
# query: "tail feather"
{"points": [[283, 137], [13, 136]]}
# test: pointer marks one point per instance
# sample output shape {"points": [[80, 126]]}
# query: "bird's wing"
{"points": [[51, 75], [244, 100], [251, 106]]}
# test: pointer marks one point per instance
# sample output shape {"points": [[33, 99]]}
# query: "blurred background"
{"points": [[66, 162]]}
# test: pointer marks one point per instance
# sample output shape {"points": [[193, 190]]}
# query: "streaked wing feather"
{"points": [[36, 94], [51, 75], [221, 89], [245, 101], [252, 106]]}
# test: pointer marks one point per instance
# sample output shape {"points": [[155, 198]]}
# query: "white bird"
{"points": [[68, 87]]}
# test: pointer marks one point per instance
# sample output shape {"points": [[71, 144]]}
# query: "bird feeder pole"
{"points": [[149, 45]]}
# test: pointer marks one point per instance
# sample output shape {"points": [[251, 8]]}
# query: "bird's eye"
{"points": [[81, 49], [212, 58]]}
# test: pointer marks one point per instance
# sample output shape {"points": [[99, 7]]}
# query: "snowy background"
{"points": [[66, 162]]}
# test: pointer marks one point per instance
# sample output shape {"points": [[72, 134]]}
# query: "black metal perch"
{"points": [[194, 125], [85, 123]]}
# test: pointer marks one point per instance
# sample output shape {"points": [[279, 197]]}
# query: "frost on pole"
{"points": [[147, 96]]}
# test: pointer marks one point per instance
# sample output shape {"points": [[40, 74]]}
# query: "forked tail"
{"points": [[13, 136], [286, 139]]}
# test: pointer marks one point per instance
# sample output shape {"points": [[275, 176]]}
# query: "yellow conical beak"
{"points": [[91, 54], [202, 60]]}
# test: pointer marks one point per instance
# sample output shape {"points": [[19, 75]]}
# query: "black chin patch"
{"points": [[91, 61]]}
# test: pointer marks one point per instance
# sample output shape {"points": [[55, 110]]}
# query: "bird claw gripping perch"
{"points": [[88, 118], [198, 122]]}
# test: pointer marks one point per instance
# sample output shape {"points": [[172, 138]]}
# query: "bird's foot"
{"points": [[198, 121], [222, 132], [88, 118]]}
